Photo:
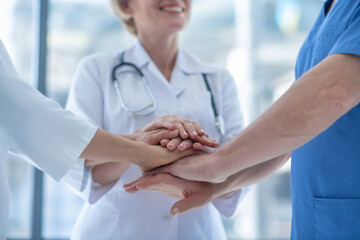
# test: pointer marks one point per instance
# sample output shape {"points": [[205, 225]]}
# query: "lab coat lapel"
{"points": [[137, 56], [190, 65], [179, 81], [187, 66]]}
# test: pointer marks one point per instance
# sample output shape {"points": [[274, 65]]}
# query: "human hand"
{"points": [[182, 145], [149, 157], [160, 156], [153, 137], [108, 172], [191, 194], [201, 167], [188, 130], [156, 156]]}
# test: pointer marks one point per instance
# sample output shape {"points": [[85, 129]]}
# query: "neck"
{"points": [[162, 50]]}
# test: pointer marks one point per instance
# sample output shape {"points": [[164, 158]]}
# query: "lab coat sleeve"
{"points": [[86, 100], [232, 114], [37, 126]]}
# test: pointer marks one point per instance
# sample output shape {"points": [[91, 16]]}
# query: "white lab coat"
{"points": [[110, 212], [37, 127]]}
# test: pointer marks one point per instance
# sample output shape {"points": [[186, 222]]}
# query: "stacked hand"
{"points": [[192, 194], [196, 180], [187, 134], [178, 134], [166, 139]]}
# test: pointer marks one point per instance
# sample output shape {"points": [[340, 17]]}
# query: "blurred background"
{"points": [[257, 40]]}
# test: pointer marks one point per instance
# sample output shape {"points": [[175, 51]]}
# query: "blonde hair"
{"points": [[127, 20]]}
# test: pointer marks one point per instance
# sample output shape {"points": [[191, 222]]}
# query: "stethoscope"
{"points": [[147, 108]]}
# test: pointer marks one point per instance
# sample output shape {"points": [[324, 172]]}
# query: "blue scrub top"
{"points": [[325, 173]]}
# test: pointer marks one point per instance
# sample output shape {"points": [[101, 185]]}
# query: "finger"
{"points": [[185, 145], [165, 183], [206, 135], [208, 142], [191, 130], [164, 142], [174, 143], [199, 129], [160, 123], [148, 184], [182, 131], [133, 182], [154, 180], [131, 189], [200, 147], [157, 136], [185, 205]]}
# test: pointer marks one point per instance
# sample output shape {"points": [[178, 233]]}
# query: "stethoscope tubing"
{"points": [[218, 118]]}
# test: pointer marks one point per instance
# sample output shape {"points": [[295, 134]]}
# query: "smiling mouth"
{"points": [[172, 9]]}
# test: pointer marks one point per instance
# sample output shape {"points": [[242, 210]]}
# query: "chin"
{"points": [[176, 27]]}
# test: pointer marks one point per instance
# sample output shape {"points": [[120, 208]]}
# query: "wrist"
{"points": [[230, 160], [223, 188], [217, 166], [130, 151], [218, 190], [142, 152]]}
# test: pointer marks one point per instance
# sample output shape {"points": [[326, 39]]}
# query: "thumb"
{"points": [[158, 124], [184, 205], [164, 134]]}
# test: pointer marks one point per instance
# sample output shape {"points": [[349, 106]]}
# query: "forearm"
{"points": [[106, 147], [107, 173], [250, 176], [308, 108]]}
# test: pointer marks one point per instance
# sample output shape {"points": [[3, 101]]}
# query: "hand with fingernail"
{"points": [[191, 194], [191, 134], [154, 134], [195, 194]]}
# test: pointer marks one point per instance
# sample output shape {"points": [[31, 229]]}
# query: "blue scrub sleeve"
{"points": [[349, 41]]}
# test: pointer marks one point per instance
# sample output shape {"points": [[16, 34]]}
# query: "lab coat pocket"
{"points": [[336, 219]]}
